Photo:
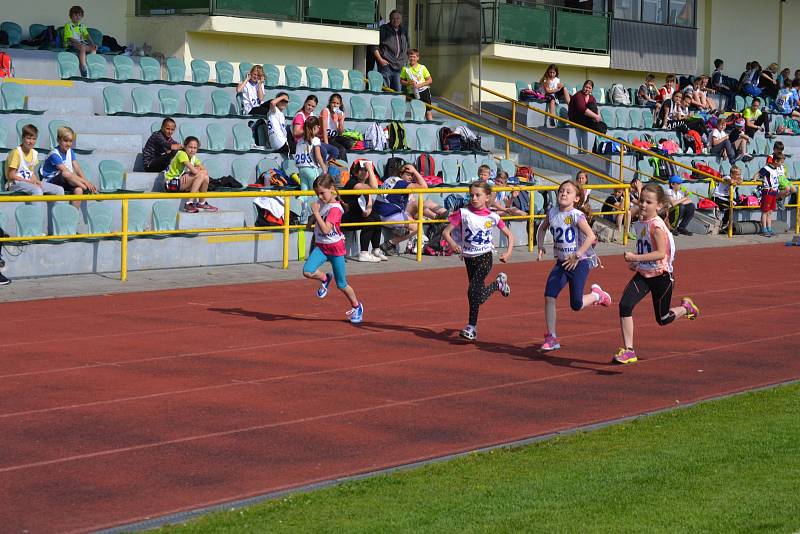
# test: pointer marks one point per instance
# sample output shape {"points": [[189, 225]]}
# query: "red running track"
{"points": [[115, 409]]}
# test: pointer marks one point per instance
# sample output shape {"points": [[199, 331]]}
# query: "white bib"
{"points": [[24, 171], [334, 236], [645, 244], [476, 232], [567, 237]]}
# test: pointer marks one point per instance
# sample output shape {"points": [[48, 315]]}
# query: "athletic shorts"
{"points": [[769, 201]]}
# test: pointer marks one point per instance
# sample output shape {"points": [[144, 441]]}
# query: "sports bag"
{"points": [[397, 136], [426, 165], [6, 65], [619, 95], [374, 138]]}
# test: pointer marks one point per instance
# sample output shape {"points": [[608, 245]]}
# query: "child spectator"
{"points": [[777, 148], [721, 144], [756, 119], [308, 153], [331, 119], [160, 147], [457, 201], [417, 80], [723, 192], [770, 176], [582, 178], [787, 100], [554, 91], [614, 202], [648, 93], [186, 173], [21, 167], [768, 81], [724, 85], [503, 201], [252, 91], [359, 209], [784, 77], [276, 124], [682, 203], [76, 35], [62, 169], [635, 194], [673, 112], [666, 92], [750, 78], [696, 95], [298, 123]]}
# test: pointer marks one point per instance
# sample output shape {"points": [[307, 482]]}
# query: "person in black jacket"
{"points": [[160, 148], [390, 55]]}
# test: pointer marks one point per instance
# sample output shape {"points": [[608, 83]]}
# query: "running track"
{"points": [[114, 409]]}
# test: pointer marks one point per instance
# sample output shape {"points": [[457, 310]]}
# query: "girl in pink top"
{"points": [[655, 252], [302, 116], [330, 246]]}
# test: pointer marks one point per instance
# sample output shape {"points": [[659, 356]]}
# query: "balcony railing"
{"points": [[542, 26], [356, 13]]}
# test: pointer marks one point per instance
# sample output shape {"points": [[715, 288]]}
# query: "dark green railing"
{"points": [[358, 13], [530, 24]]}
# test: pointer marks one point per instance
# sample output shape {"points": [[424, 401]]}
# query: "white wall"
{"points": [[108, 16]]}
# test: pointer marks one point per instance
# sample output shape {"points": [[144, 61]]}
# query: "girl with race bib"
{"points": [[473, 240], [329, 241], [308, 154], [655, 252], [572, 246]]}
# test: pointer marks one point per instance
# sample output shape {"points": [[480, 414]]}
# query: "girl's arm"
{"points": [[540, 233], [659, 253], [323, 119], [260, 91], [240, 87], [419, 181], [324, 226], [510, 237], [340, 122], [450, 241], [371, 178], [589, 238], [318, 157]]}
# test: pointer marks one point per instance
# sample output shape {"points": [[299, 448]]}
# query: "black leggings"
{"points": [[478, 269], [638, 288], [370, 235]]}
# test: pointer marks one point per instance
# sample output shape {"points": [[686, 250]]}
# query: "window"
{"points": [[626, 9], [681, 13], [654, 11], [672, 12]]}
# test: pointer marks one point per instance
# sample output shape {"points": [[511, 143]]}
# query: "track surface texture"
{"points": [[115, 409]]}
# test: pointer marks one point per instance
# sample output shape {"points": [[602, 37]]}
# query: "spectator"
{"points": [[682, 204], [750, 78], [785, 76], [76, 35], [787, 100], [721, 144], [392, 50], [756, 119], [768, 81], [21, 167], [417, 81], [582, 178], [332, 126], [276, 124], [308, 153], [666, 92], [697, 95], [160, 147], [252, 91], [583, 109], [186, 173], [770, 177], [614, 202], [724, 85], [796, 76], [360, 209], [647, 95], [777, 148], [62, 169], [673, 113], [503, 201], [299, 121], [553, 90], [635, 192], [723, 192], [456, 201]]}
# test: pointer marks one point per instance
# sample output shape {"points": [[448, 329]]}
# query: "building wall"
{"points": [[108, 16]]}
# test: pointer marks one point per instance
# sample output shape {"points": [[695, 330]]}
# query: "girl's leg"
{"points": [[555, 283], [339, 274], [312, 265], [661, 287], [634, 292], [478, 269], [577, 282]]}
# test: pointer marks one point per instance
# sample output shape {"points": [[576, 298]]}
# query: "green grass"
{"points": [[725, 466]]}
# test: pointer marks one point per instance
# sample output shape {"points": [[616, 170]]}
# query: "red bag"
{"points": [[426, 165], [6, 67], [696, 141], [706, 204], [638, 143], [702, 167], [525, 174], [433, 180]]}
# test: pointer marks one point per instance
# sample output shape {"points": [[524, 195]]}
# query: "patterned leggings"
{"points": [[659, 286], [478, 269]]}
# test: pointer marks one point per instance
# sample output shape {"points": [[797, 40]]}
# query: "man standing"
{"points": [[391, 54]]}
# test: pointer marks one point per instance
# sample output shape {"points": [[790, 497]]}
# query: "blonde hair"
{"points": [[63, 132], [258, 69]]}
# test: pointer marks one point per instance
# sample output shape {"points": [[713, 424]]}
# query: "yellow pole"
{"points": [[420, 218], [531, 225], [123, 261], [626, 218], [286, 207], [621, 163], [731, 193], [513, 115], [797, 212], [508, 149]]}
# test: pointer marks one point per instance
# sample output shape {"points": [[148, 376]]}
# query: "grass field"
{"points": [[731, 465]]}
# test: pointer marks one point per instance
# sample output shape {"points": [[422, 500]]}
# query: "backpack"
{"points": [[693, 140], [426, 165], [662, 168], [397, 136], [469, 140], [607, 148], [702, 167], [436, 245], [339, 173], [524, 173], [393, 167], [6, 66], [374, 138], [619, 95]]}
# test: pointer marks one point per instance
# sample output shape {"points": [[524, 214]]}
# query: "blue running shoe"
{"points": [[322, 292], [356, 314]]}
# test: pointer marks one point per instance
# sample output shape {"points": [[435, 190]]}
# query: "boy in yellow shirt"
{"points": [[76, 35], [21, 167], [417, 80]]}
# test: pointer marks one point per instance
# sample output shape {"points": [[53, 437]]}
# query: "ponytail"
{"points": [[326, 181]]}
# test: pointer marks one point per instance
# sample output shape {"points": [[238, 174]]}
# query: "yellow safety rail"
{"points": [[733, 206], [125, 234]]}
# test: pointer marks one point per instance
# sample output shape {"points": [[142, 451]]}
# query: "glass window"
{"points": [[626, 9], [654, 11], [681, 13]]}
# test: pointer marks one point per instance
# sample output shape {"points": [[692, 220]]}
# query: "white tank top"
{"points": [[567, 237], [329, 125], [24, 171], [476, 232], [335, 235], [646, 243]]}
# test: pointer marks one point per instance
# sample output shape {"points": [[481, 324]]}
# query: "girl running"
{"points": [[329, 241], [655, 252], [572, 245], [473, 241]]}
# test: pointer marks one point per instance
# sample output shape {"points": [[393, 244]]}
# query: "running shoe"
{"points": [[469, 332], [502, 284], [603, 298], [190, 208], [692, 311], [389, 249], [624, 356], [322, 292], [550, 343], [356, 314], [208, 207], [3, 280], [378, 253]]}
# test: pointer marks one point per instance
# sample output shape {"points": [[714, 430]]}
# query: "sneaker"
{"points": [[356, 314], [469, 332], [765, 233], [502, 284], [367, 257], [378, 253], [692, 311], [550, 343], [624, 356], [3, 280], [206, 206], [389, 249], [684, 231], [323, 287], [603, 298], [190, 208]]}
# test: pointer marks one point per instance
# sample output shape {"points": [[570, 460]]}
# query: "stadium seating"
{"points": [[335, 79], [65, 219], [123, 68], [151, 69], [13, 96], [201, 72], [176, 69], [99, 217], [224, 72]]}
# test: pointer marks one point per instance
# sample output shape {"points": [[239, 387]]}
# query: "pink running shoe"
{"points": [[692, 311], [604, 299], [550, 343], [624, 356]]}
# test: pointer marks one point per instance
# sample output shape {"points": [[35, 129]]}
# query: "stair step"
{"points": [[71, 106], [144, 181], [112, 142], [204, 219]]}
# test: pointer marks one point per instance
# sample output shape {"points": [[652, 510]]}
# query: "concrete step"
{"points": [[143, 181], [204, 219], [112, 142], [70, 105]]}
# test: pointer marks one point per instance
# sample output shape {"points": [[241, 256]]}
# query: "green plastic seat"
{"points": [[380, 111], [52, 128], [68, 65], [519, 85], [292, 108], [288, 166], [425, 140], [508, 166], [469, 170], [242, 137], [398, 108], [272, 76], [776, 122], [123, 68], [608, 117], [563, 113], [13, 96], [30, 220], [645, 169], [243, 171], [335, 79], [96, 36], [358, 108], [623, 118], [224, 72], [201, 72], [314, 77], [450, 170], [195, 102], [65, 219], [42, 142], [214, 168], [176, 69], [96, 66], [35, 29], [13, 30], [217, 136], [3, 144], [142, 101], [418, 110], [151, 69], [137, 217], [112, 175], [222, 104], [293, 75], [155, 126], [100, 217], [355, 80], [296, 97], [598, 93], [635, 118], [244, 71], [758, 146], [375, 80], [748, 101], [647, 118], [165, 215], [168, 101], [187, 129]]}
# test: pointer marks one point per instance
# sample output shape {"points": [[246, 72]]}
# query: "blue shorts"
{"points": [[559, 277], [317, 258]]}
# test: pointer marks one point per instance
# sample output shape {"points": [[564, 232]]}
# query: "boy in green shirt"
{"points": [[76, 35], [417, 80]]}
